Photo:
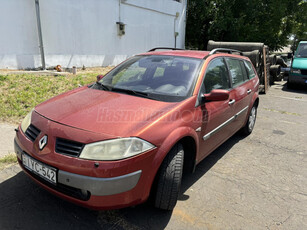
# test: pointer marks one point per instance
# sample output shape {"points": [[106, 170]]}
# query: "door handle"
{"points": [[231, 102], [249, 91]]}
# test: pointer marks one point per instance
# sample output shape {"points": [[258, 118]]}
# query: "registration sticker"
{"points": [[44, 171]]}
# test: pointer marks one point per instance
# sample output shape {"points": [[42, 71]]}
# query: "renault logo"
{"points": [[42, 142]]}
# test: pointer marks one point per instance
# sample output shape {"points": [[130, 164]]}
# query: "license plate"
{"points": [[42, 170]]}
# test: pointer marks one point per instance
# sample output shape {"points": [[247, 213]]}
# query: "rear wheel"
{"points": [[272, 80], [169, 179], [249, 126]]}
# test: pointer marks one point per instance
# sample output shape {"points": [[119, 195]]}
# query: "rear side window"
{"points": [[250, 69], [216, 76], [245, 76], [237, 73]]}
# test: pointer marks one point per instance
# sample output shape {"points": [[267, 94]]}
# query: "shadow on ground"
{"points": [[203, 167], [24, 205], [295, 89]]}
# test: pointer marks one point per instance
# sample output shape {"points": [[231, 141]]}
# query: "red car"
{"points": [[131, 134]]}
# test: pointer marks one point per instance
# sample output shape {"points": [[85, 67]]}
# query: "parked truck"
{"points": [[268, 66], [298, 72]]}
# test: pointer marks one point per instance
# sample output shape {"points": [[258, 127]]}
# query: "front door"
{"points": [[217, 116]]}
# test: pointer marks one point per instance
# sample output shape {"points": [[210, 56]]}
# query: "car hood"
{"points": [[299, 63], [105, 112]]}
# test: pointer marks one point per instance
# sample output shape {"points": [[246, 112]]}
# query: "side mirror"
{"points": [[99, 77], [216, 95]]}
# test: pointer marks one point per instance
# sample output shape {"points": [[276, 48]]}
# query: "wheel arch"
{"points": [[189, 140], [257, 102], [189, 147]]}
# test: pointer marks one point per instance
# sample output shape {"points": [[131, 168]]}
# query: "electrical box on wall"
{"points": [[120, 28]]}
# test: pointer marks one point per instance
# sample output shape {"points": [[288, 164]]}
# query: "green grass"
{"points": [[19, 93], [8, 159]]}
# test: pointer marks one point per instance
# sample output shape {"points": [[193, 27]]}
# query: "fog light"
{"points": [[85, 193]]}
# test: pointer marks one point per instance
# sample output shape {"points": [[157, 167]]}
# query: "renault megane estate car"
{"points": [[132, 134]]}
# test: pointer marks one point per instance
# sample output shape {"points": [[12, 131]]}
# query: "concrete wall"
{"points": [[18, 34], [79, 32]]}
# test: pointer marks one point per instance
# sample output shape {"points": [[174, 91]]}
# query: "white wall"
{"points": [[79, 32], [18, 34]]}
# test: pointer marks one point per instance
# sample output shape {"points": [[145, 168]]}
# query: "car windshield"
{"points": [[158, 77], [302, 50]]}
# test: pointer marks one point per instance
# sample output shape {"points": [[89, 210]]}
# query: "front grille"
{"points": [[32, 132], [304, 71], [68, 147], [67, 190]]}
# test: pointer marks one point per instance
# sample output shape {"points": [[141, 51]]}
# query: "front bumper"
{"points": [[94, 185], [112, 185], [297, 78], [100, 186]]}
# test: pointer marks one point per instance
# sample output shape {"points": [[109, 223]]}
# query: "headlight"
{"points": [[26, 121], [115, 149], [297, 71]]}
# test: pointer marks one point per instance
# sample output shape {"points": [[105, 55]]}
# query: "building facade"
{"points": [[90, 33]]}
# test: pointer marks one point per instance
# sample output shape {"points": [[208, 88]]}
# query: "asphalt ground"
{"points": [[257, 182]]}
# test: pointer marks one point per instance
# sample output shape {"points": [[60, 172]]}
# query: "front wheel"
{"points": [[289, 85], [249, 126], [169, 179]]}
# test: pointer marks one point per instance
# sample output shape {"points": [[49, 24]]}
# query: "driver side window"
{"points": [[216, 76]]}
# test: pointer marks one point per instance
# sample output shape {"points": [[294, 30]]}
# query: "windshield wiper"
{"points": [[132, 92], [103, 86]]}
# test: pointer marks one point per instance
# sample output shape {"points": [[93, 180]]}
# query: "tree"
{"points": [[270, 22], [198, 23], [300, 25]]}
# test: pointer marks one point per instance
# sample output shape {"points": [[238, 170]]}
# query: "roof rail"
{"points": [[230, 51], [163, 48]]}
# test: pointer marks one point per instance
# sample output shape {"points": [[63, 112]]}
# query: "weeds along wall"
{"points": [[90, 33]]}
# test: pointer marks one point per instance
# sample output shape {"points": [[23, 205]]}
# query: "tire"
{"points": [[289, 85], [169, 179], [249, 126], [271, 80]]}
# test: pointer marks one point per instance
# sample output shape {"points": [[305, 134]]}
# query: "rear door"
{"points": [[241, 92], [253, 80]]}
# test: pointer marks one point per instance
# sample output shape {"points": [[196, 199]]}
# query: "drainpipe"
{"points": [[119, 1], [40, 35], [176, 33]]}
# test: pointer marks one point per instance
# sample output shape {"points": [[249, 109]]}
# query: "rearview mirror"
{"points": [[216, 95], [99, 77]]}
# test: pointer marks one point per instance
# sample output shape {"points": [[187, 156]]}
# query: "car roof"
{"points": [[182, 53]]}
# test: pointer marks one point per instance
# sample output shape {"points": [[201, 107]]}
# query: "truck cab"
{"points": [[298, 72]]}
